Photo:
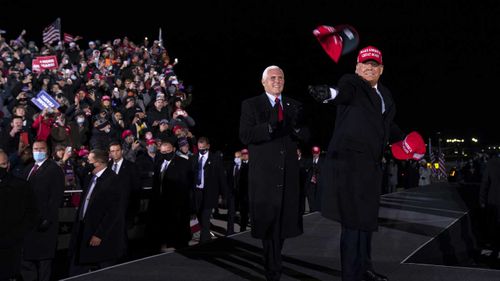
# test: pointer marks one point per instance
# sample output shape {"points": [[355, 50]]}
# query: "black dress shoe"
{"points": [[371, 275]]}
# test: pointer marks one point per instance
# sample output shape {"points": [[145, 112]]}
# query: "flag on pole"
{"points": [[442, 168], [160, 38], [432, 158], [52, 32], [68, 38]]}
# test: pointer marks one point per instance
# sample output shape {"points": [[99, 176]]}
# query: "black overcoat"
{"points": [[490, 188], [18, 214], [48, 185], [215, 179], [273, 175], [104, 218], [353, 166]]}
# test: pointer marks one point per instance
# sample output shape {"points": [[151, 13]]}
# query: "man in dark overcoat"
{"points": [[18, 214], [210, 182], [312, 167], [270, 126], [363, 127], [177, 184], [46, 179], [98, 239], [489, 200]]}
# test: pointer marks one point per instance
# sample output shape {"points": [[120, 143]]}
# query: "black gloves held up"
{"points": [[320, 92]]}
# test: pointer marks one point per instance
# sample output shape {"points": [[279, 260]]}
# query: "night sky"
{"points": [[442, 58]]}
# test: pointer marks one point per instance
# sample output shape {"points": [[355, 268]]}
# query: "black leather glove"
{"points": [[320, 92], [44, 225]]}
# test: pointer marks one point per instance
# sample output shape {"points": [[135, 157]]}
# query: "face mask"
{"points": [[152, 149], [203, 151], [39, 156], [80, 120], [168, 156], [3, 172], [237, 161]]}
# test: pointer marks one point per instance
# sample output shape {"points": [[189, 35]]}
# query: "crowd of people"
{"points": [[119, 104]]}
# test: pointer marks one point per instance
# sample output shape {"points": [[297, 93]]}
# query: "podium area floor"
{"points": [[424, 234]]}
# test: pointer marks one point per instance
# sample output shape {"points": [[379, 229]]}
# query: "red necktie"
{"points": [[33, 170], [280, 109]]}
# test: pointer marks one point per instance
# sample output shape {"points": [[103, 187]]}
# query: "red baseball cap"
{"points": [[370, 53], [412, 147], [244, 151], [150, 142], [176, 128], [337, 41], [126, 133]]}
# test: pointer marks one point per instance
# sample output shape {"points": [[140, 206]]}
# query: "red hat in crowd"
{"points": [[338, 40], [105, 98], [244, 151], [370, 53], [412, 147], [150, 142], [126, 133], [176, 128], [82, 152], [316, 150]]}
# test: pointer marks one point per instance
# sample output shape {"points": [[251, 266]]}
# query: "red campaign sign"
{"points": [[41, 63]]}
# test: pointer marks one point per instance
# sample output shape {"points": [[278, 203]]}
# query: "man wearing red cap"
{"points": [[363, 127], [312, 177]]}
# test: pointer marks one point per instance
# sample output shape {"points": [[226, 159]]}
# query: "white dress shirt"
{"points": [[205, 157], [118, 165], [91, 189]]}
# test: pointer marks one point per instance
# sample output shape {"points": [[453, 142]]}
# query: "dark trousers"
{"points": [[272, 246], [203, 216], [76, 268], [492, 232], [312, 197], [272, 257], [231, 211], [36, 270], [243, 207], [355, 253], [10, 263]]}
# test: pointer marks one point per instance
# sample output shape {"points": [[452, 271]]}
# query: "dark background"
{"points": [[442, 58]]}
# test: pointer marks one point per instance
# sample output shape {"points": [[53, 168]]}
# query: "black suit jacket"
{"points": [[130, 186], [48, 185], [177, 183], [310, 170], [238, 181], [103, 218], [215, 182]]}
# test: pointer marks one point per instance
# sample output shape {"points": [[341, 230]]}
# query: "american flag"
{"points": [[442, 168], [432, 158], [52, 32], [68, 38]]}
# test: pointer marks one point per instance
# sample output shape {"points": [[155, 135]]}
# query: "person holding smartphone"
{"points": [[13, 137]]}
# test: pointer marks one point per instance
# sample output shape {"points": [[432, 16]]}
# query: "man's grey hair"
{"points": [[264, 74]]}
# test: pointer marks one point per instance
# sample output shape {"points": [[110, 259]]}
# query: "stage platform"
{"points": [[424, 234]]}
